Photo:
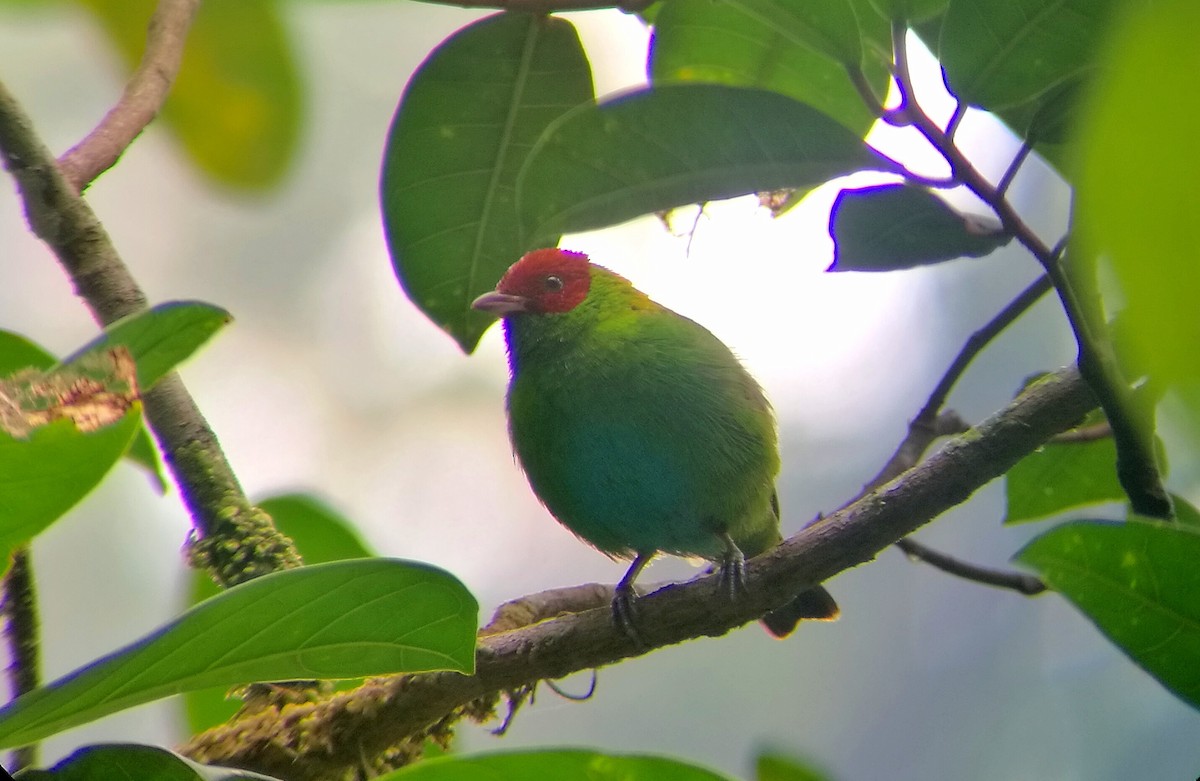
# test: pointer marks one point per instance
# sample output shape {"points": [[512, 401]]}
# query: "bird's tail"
{"points": [[815, 603]]}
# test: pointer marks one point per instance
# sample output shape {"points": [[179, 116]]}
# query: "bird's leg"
{"points": [[623, 597], [733, 568]]}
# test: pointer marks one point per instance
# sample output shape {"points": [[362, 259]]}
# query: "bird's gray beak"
{"points": [[500, 304]]}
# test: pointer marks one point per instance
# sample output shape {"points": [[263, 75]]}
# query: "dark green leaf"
{"points": [[345, 619], [117, 761], [896, 226], [236, 104], [552, 764], [1062, 476], [1138, 199], [1139, 583], [159, 339], [657, 149], [741, 44], [320, 535], [910, 10], [999, 53], [773, 767], [461, 132]]}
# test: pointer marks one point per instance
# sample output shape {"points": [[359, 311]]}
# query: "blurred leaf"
{"points": [[115, 761], [895, 226], [550, 765], [910, 10], [756, 45], [1137, 198], [320, 535], [345, 619], [999, 53], [656, 149], [1061, 476], [17, 352], [236, 105], [1186, 512], [160, 338], [773, 767], [461, 132], [1139, 583]]}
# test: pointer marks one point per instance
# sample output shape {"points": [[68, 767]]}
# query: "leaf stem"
{"points": [[1017, 581]]}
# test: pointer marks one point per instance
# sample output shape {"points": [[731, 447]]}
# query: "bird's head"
{"points": [[544, 281]]}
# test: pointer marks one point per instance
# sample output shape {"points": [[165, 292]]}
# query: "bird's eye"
{"points": [[553, 283]]}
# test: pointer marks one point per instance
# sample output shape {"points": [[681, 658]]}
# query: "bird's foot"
{"points": [[623, 613], [733, 571]]}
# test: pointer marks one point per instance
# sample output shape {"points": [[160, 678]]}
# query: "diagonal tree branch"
{"points": [[236, 541], [327, 739], [142, 99]]}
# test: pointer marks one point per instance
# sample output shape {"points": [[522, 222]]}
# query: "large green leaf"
{"points": [[748, 44], [120, 761], [910, 10], [345, 619], [1139, 583], [236, 105], [999, 53], [1062, 476], [895, 226], [461, 132], [660, 148], [1138, 199], [550, 765], [160, 338], [320, 535]]}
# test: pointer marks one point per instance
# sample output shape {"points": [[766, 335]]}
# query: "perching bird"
{"points": [[637, 428]]}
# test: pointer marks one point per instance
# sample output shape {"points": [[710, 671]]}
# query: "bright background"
{"points": [[330, 381]]}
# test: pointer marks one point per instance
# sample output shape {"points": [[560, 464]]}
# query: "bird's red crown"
{"points": [[550, 280]]}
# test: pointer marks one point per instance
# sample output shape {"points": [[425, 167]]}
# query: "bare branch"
{"points": [[24, 641], [320, 740], [237, 541], [1017, 581], [144, 96]]}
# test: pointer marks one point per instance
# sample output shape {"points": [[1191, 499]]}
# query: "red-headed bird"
{"points": [[638, 429]]}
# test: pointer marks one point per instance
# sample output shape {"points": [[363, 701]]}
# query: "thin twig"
{"points": [[1017, 581], [1084, 434], [23, 635], [1137, 463], [323, 739], [142, 99], [236, 541]]}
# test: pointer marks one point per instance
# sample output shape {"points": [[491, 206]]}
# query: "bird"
{"points": [[638, 429]]}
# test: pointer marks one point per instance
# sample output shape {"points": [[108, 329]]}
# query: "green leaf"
{"points": [[236, 105], [44, 476], [345, 619], [910, 10], [113, 761], [657, 149], [895, 226], [1185, 512], [999, 53], [460, 135], [1137, 198], [756, 45], [1139, 583], [773, 767], [1062, 476], [552, 764], [17, 352], [159, 339], [320, 535]]}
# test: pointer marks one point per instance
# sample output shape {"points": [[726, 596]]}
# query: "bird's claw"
{"points": [[733, 574], [622, 615]]}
